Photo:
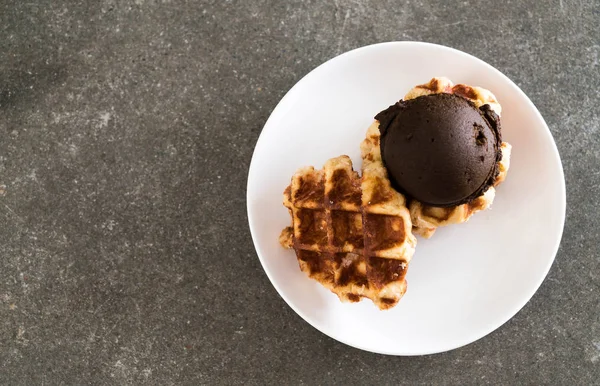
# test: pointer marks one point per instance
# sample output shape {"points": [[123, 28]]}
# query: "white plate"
{"points": [[468, 279]]}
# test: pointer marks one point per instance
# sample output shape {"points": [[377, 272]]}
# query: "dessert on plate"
{"points": [[430, 160]]}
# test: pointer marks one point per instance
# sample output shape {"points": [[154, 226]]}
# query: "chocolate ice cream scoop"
{"points": [[440, 149]]}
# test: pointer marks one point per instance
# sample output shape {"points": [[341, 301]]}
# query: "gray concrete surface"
{"points": [[126, 131]]}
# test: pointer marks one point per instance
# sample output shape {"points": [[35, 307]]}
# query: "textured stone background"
{"points": [[126, 130]]}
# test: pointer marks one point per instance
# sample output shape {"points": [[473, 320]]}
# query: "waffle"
{"points": [[425, 218], [351, 234], [479, 96]]}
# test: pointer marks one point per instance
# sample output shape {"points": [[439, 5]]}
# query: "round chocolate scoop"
{"points": [[440, 149]]}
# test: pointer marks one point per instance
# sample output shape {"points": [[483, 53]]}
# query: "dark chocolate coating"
{"points": [[440, 149]]}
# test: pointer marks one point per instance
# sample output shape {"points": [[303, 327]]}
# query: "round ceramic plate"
{"points": [[468, 279]]}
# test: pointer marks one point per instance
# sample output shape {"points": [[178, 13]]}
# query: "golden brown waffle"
{"points": [[479, 96], [426, 219], [350, 234]]}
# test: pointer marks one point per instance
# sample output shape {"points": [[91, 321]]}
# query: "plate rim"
{"points": [[531, 106]]}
